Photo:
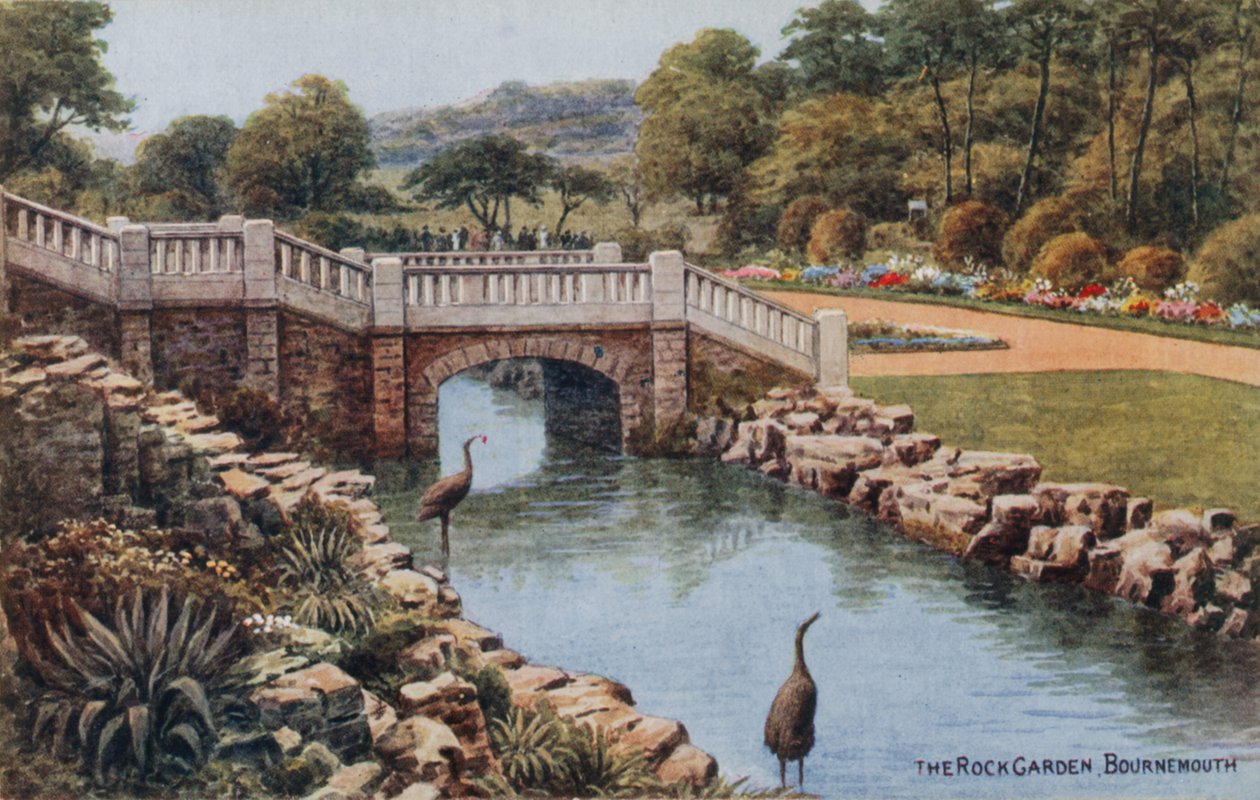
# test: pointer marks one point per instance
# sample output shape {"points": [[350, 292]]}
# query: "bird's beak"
{"points": [[810, 621], [483, 439]]}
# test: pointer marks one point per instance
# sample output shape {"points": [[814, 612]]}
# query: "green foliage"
{"points": [[973, 230], [1073, 260], [303, 150], [798, 221], [327, 591], [1046, 219], [373, 658], [639, 243], [182, 166], [834, 49], [493, 693], [575, 185], [530, 749], [131, 697], [250, 413], [53, 78], [706, 119], [1227, 266], [837, 236], [1152, 268], [483, 175], [599, 770]]}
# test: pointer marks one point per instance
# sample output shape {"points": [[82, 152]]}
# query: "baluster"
{"points": [[569, 281], [361, 277], [59, 237], [39, 230], [215, 260], [76, 243], [344, 275], [444, 289], [304, 266], [229, 257], [178, 244], [324, 278], [426, 283], [24, 225], [195, 252], [759, 318], [94, 250], [158, 254], [286, 259], [111, 254]]}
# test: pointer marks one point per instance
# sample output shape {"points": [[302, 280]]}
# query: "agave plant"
{"points": [[530, 749], [328, 591], [132, 698]]}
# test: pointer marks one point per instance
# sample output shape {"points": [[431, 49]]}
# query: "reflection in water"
{"points": [[685, 579]]}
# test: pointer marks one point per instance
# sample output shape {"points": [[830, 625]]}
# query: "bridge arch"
{"points": [[625, 361]]}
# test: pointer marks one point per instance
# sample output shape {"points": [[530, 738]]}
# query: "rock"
{"points": [[450, 606], [655, 736], [320, 702], [302, 481], [268, 665], [757, 442], [381, 716], [869, 488], [997, 542], [1206, 617], [690, 764], [770, 407], [378, 560], [372, 534], [1146, 571], [242, 485], [278, 473], [1181, 530], [288, 739], [258, 748], [505, 659], [423, 749], [527, 681], [75, 368], [801, 422], [830, 465], [1018, 511], [216, 443], [714, 435], [941, 520], [997, 473], [453, 701], [355, 780], [910, 449], [901, 417], [215, 515], [1222, 549], [1138, 513], [419, 790], [410, 588], [434, 572], [227, 460], [1217, 519], [1104, 568], [430, 654], [351, 483], [1100, 506], [1193, 584], [321, 756], [467, 631], [1234, 625], [263, 461], [1234, 587]]}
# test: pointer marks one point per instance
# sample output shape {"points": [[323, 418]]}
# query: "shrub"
{"points": [[1072, 260], [837, 235], [970, 228], [898, 236], [315, 564], [639, 243], [132, 697], [797, 222], [1152, 268], [1227, 266], [530, 750], [1044, 220]]}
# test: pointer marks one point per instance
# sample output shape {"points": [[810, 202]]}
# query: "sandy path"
{"points": [[1035, 345]]}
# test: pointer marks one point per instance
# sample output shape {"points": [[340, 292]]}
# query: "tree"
{"points": [[575, 185], [1046, 28], [981, 42], [706, 119], [1197, 31], [51, 77], [483, 175], [835, 49], [184, 165], [303, 150], [627, 177], [926, 38], [1243, 19]]}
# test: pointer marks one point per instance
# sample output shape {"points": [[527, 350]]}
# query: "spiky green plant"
{"points": [[132, 698], [596, 769], [328, 592], [530, 749]]}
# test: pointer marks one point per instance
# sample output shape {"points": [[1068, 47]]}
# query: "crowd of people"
{"points": [[527, 238]]}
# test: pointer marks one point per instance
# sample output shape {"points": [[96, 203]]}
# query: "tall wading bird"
{"points": [[790, 724], [442, 497]]}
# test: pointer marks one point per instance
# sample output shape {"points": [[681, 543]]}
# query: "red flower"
{"points": [[1091, 290], [1208, 312], [889, 279]]}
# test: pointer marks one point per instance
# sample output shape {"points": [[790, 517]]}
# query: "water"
{"points": [[686, 579]]}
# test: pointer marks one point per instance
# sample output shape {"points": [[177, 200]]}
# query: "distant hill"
{"points": [[593, 119]]}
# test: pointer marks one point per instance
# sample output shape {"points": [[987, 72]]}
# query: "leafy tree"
{"points": [[575, 185], [1242, 20], [835, 49], [183, 165], [706, 119], [51, 77], [1198, 30], [1046, 28], [981, 42], [303, 150], [627, 178], [483, 175]]}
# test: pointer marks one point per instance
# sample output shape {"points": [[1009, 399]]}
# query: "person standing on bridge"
{"points": [[426, 239]]}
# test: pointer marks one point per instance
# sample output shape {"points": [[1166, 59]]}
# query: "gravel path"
{"points": [[1035, 345]]}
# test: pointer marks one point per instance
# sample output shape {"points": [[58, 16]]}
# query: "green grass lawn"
{"points": [[1181, 440], [1156, 327]]}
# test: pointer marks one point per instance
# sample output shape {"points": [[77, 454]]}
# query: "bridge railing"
{"points": [[307, 263], [195, 250], [490, 258], [63, 234], [730, 310]]}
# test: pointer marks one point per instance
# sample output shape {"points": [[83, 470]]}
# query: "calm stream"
{"points": [[685, 579]]}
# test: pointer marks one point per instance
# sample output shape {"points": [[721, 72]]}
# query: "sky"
{"points": [[178, 57]]}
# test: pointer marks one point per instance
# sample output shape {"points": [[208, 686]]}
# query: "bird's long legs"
{"points": [[783, 772], [800, 775], [446, 542]]}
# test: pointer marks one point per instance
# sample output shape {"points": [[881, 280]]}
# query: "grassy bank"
{"points": [[1181, 440], [1154, 327]]}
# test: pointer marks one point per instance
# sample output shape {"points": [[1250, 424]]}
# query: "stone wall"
{"points": [[326, 377], [202, 344], [41, 308], [717, 368], [152, 458], [1199, 565]]}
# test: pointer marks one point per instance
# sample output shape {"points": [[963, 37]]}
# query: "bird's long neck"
{"points": [[799, 667], [467, 458]]}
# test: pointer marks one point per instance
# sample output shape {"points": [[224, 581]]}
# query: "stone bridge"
{"points": [[359, 343]]}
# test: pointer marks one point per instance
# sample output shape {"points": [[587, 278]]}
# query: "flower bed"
{"points": [[877, 336], [1179, 304]]}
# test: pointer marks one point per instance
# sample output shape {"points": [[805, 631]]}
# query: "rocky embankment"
{"points": [[1201, 566], [87, 440]]}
